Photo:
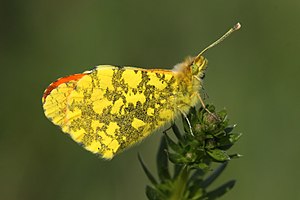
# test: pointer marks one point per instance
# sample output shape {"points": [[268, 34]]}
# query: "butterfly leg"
{"points": [[204, 106], [205, 94], [201, 100], [187, 120]]}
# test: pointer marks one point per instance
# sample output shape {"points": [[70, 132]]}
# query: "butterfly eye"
{"points": [[199, 65], [195, 69]]}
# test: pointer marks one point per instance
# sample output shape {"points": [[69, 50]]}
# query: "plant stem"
{"points": [[180, 184]]}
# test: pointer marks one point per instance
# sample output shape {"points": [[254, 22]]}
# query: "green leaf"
{"points": [[162, 161], [211, 137], [177, 170], [234, 137], [229, 129], [198, 174], [175, 147], [227, 141], [220, 190], [223, 115], [193, 116], [152, 194], [203, 166], [210, 107], [218, 155], [236, 155], [215, 174], [147, 172], [195, 190], [177, 132], [194, 183], [177, 158]]}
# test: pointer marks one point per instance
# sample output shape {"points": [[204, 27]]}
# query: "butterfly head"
{"points": [[199, 66]]}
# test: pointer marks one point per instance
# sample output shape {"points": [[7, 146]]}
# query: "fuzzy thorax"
{"points": [[189, 75]]}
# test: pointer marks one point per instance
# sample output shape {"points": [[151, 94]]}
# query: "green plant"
{"points": [[192, 155]]}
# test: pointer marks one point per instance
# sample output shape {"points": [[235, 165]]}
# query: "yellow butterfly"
{"points": [[110, 108]]}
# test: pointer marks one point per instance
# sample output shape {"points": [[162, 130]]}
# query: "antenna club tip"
{"points": [[237, 26]]}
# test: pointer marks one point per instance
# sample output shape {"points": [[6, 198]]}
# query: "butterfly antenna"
{"points": [[234, 28]]}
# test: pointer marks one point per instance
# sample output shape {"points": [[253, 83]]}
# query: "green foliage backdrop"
{"points": [[254, 74]]}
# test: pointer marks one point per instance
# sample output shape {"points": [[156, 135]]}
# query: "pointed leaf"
{"points": [[203, 166], [235, 156], [194, 184], [177, 132], [227, 141], [176, 158], [162, 161], [147, 172], [215, 174], [234, 137], [218, 155], [220, 190], [152, 194], [198, 174], [193, 116], [223, 115], [228, 129], [175, 147], [195, 190], [177, 170], [212, 108]]}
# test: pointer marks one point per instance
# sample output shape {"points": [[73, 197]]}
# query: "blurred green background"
{"points": [[254, 74]]}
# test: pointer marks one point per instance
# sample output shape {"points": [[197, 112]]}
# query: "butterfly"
{"points": [[110, 108]]}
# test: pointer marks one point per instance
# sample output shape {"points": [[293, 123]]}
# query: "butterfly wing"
{"points": [[112, 108], [55, 97]]}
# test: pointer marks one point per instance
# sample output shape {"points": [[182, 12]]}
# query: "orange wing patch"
{"points": [[60, 81], [55, 97]]}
